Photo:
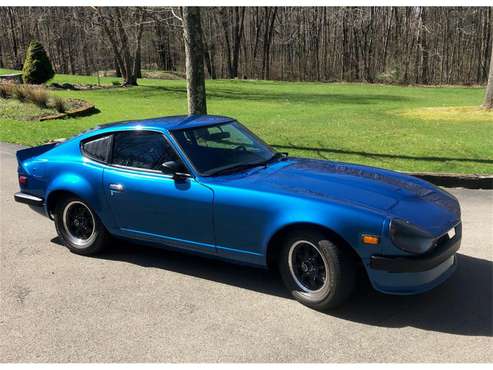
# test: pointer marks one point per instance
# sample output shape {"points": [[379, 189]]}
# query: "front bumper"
{"points": [[414, 274], [424, 262]]}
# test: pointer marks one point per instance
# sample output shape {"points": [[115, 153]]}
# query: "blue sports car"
{"points": [[208, 185]]}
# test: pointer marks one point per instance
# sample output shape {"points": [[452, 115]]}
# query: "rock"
{"points": [[68, 86], [56, 85], [13, 77]]}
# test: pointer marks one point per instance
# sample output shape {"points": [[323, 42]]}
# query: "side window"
{"points": [[139, 149], [98, 149]]}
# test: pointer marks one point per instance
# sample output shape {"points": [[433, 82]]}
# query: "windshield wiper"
{"points": [[245, 166], [236, 168], [276, 156]]}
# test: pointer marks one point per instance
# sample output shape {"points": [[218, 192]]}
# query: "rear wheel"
{"points": [[318, 273], [79, 227]]}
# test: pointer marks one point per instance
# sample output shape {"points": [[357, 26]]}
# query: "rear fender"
{"points": [[82, 188], [24, 154]]}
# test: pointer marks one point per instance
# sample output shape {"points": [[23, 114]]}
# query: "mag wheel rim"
{"points": [[79, 224], [308, 267]]}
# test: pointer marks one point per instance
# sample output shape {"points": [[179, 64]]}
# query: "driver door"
{"points": [[151, 205]]}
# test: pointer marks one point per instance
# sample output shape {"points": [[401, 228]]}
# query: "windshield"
{"points": [[220, 148]]}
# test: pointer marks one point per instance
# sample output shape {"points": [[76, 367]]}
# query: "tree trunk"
{"points": [[208, 61], [118, 71], [15, 52], [1, 57], [424, 45], [237, 34], [269, 30], [225, 24], [127, 60], [136, 68], [129, 79], [85, 60], [113, 42], [488, 98], [194, 56]]}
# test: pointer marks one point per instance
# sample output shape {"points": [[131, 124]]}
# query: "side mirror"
{"points": [[174, 168]]}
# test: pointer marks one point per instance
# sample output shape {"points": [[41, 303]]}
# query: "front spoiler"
{"points": [[424, 262], [413, 282]]}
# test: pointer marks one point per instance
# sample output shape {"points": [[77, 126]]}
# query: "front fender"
{"points": [[347, 222], [246, 221]]}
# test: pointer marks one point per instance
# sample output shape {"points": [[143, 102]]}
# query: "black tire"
{"points": [[99, 236], [336, 277]]}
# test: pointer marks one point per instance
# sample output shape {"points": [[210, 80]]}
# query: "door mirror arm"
{"points": [[181, 176], [174, 168]]}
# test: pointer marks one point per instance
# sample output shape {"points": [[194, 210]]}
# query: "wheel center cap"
{"points": [[306, 266]]}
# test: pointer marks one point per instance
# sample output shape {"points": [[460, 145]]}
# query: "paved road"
{"points": [[138, 304]]}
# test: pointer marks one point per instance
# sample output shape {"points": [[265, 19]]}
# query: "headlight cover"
{"points": [[409, 237]]}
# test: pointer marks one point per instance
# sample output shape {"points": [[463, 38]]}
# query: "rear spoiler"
{"points": [[28, 153]]}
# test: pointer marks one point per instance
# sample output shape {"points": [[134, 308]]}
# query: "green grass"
{"points": [[362, 123], [4, 71], [12, 109]]}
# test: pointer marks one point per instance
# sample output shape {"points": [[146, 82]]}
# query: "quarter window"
{"points": [[147, 150], [98, 149]]}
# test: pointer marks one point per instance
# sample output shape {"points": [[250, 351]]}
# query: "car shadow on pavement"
{"points": [[463, 305], [246, 277]]}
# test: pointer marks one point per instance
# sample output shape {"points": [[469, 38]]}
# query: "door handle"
{"points": [[116, 187]]}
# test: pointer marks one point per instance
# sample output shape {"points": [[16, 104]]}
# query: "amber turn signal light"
{"points": [[370, 239]]}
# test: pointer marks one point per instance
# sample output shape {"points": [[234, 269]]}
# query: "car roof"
{"points": [[164, 123]]}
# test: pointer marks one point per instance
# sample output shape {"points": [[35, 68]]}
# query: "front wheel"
{"points": [[317, 272], [79, 227]]}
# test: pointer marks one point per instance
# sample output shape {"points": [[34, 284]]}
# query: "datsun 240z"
{"points": [[207, 185]]}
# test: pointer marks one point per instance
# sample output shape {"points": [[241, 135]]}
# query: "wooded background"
{"points": [[424, 45]]}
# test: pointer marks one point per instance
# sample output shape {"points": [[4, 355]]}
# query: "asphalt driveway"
{"points": [[139, 304]]}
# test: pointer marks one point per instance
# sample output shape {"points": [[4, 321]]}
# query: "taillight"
{"points": [[22, 180]]}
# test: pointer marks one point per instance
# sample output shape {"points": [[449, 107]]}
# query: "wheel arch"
{"points": [[54, 197], [72, 184], [275, 242]]}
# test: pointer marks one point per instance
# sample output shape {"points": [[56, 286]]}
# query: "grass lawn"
{"points": [[403, 128]]}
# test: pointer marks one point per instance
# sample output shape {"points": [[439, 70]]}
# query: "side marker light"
{"points": [[370, 239]]}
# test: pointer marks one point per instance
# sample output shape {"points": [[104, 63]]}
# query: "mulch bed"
{"points": [[79, 87], [77, 108]]}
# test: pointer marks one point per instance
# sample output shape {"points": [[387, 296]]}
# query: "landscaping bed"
{"points": [[75, 108], [34, 103], [15, 110]]}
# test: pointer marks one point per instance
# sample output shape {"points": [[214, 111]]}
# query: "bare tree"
{"points": [[423, 45], [194, 56], [12, 23], [232, 18], [270, 15], [128, 61]]}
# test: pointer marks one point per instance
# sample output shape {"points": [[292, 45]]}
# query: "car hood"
{"points": [[393, 193]]}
